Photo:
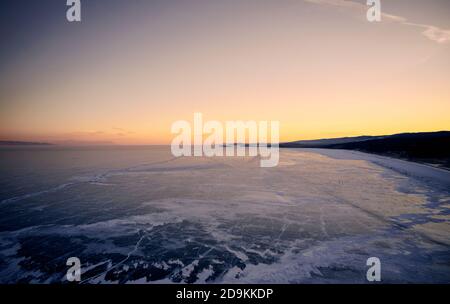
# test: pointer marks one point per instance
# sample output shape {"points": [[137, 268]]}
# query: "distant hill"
{"points": [[57, 143], [22, 143], [331, 141], [431, 147], [83, 143]]}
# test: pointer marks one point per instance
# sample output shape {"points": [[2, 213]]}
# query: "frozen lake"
{"points": [[138, 215]]}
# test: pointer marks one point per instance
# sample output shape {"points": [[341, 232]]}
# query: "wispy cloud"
{"points": [[431, 32], [122, 131]]}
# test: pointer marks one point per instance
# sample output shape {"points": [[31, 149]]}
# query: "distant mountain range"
{"points": [[331, 141], [56, 143], [22, 143], [431, 147]]}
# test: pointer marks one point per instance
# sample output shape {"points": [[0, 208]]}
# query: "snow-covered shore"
{"points": [[436, 176]]}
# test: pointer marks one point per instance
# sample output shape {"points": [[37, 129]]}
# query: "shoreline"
{"points": [[421, 171]]}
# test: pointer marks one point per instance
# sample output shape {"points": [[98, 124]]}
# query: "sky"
{"points": [[131, 68]]}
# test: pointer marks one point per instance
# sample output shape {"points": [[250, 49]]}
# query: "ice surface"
{"points": [[138, 215]]}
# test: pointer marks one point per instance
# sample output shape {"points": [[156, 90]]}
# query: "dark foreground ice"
{"points": [[138, 215]]}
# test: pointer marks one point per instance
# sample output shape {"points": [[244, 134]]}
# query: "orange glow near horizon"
{"points": [[321, 71]]}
